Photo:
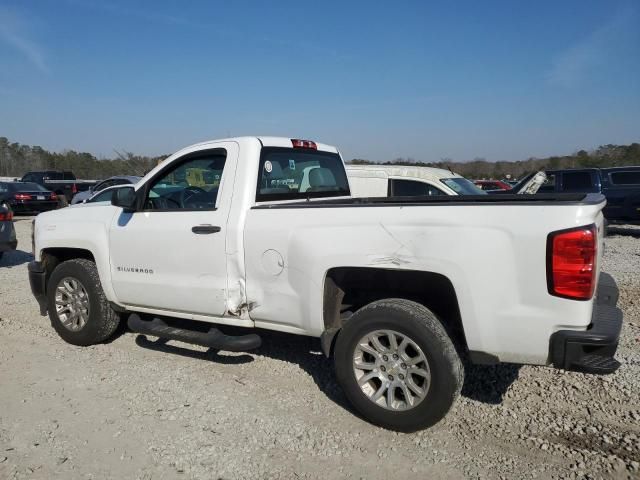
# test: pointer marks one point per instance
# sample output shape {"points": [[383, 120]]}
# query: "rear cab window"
{"points": [[549, 185], [299, 174], [578, 182]]}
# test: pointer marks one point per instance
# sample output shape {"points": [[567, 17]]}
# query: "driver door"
{"points": [[171, 255]]}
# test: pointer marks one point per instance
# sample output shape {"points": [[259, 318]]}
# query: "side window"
{"points": [[577, 182], [412, 188], [626, 178], [29, 177], [190, 184]]}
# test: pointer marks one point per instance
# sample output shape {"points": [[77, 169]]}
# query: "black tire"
{"points": [[62, 200], [102, 320], [419, 324]]}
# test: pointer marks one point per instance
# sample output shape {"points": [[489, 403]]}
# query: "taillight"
{"points": [[54, 196], [22, 196], [571, 262], [303, 144], [6, 216], [74, 188]]}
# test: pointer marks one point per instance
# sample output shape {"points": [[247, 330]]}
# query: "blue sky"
{"points": [[502, 80]]}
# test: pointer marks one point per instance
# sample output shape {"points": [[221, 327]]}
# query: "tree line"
{"points": [[17, 159], [603, 156]]}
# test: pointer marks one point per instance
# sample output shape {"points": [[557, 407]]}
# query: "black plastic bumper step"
{"points": [[214, 338], [597, 364]]}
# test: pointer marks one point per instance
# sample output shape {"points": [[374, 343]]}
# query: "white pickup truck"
{"points": [[262, 233]]}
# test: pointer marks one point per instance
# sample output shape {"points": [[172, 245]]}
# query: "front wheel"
{"points": [[397, 365], [78, 308]]}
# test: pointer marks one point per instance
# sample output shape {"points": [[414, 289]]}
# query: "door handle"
{"points": [[205, 229]]}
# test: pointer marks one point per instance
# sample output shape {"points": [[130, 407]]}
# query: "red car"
{"points": [[492, 185]]}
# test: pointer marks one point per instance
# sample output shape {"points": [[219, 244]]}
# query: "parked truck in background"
{"points": [[63, 183], [398, 290], [619, 185]]}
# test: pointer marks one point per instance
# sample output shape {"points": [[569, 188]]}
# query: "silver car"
{"points": [[81, 197]]}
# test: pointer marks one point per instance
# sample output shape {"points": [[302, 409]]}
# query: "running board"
{"points": [[214, 338]]}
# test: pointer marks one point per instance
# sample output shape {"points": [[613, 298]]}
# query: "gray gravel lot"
{"points": [[135, 408]]}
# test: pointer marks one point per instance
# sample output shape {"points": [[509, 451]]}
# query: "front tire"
{"points": [[78, 308], [397, 365]]}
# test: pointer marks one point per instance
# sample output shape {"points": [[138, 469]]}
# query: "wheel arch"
{"points": [[53, 256], [346, 289]]}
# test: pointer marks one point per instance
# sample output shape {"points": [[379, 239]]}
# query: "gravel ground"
{"points": [[135, 408]]}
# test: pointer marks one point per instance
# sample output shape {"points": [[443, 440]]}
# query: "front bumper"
{"points": [[592, 350], [38, 282]]}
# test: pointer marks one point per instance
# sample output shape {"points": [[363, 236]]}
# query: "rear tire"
{"points": [[78, 309], [423, 374], [62, 201]]}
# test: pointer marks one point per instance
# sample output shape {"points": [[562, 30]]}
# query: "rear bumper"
{"points": [[34, 207], [38, 282], [592, 350]]}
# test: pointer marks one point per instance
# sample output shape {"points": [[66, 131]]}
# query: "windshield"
{"points": [[292, 174], [462, 186], [26, 187]]}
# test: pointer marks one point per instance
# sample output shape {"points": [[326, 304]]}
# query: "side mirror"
{"points": [[125, 198]]}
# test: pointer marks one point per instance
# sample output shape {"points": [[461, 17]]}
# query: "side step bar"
{"points": [[214, 338]]}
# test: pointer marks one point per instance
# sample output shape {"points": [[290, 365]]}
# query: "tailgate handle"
{"points": [[205, 229]]}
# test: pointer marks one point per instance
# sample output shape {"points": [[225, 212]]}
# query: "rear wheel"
{"points": [[62, 200], [397, 365], [78, 308]]}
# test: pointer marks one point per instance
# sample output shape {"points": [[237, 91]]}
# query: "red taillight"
{"points": [[74, 188], [571, 262], [303, 144], [54, 196], [6, 216], [22, 196]]}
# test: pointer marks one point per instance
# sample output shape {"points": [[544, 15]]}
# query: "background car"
{"points": [[8, 239], [98, 187], [406, 181], [492, 185], [104, 195], [63, 183], [27, 197]]}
